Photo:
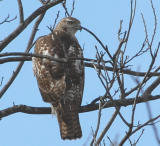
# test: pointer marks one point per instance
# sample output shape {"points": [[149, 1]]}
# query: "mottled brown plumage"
{"points": [[61, 84]]}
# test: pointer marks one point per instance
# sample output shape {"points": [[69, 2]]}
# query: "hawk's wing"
{"points": [[50, 74], [61, 83]]}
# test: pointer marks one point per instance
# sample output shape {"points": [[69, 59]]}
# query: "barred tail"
{"points": [[68, 120]]}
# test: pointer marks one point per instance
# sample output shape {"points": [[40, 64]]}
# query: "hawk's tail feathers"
{"points": [[68, 120]]}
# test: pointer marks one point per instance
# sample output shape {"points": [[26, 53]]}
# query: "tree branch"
{"points": [[107, 127], [22, 26], [6, 19], [21, 15], [99, 41], [29, 46], [83, 109], [28, 57]]}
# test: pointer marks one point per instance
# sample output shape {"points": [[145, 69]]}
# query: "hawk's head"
{"points": [[69, 25]]}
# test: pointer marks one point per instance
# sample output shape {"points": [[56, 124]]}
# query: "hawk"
{"points": [[61, 84]]}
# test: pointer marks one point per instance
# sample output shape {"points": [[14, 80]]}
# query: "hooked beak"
{"points": [[79, 27]]}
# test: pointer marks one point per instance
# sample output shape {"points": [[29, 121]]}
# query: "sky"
{"points": [[103, 18]]}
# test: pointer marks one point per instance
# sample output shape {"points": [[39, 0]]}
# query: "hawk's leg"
{"points": [[53, 110]]}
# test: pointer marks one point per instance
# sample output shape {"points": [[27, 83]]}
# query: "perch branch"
{"points": [[28, 57], [86, 108]]}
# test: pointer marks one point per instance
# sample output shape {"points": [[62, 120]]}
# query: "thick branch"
{"points": [[29, 46], [23, 25], [28, 57], [85, 108], [21, 15]]}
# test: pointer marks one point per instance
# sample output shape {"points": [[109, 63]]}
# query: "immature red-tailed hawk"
{"points": [[61, 84]]}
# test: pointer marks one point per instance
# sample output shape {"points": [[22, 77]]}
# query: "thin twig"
{"points": [[7, 19], [139, 137], [155, 23], [29, 46], [98, 124], [135, 102], [153, 125], [145, 30], [73, 7], [21, 15], [65, 8], [145, 124], [132, 16], [55, 21], [21, 27], [139, 53], [1, 81], [107, 127], [100, 42], [54, 25]]}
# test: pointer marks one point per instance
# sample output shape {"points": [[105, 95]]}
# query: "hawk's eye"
{"points": [[70, 22]]}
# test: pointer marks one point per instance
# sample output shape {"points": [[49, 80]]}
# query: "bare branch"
{"points": [[155, 23], [98, 125], [14, 59], [125, 71], [100, 42], [7, 19], [132, 16], [145, 29], [135, 102], [55, 21], [29, 46], [145, 124], [107, 127], [139, 53], [85, 108], [65, 8], [122, 41], [135, 143], [44, 2], [1, 82], [54, 25], [152, 87], [92, 65], [63, 60], [73, 6], [153, 125], [21, 27], [21, 15], [120, 29]]}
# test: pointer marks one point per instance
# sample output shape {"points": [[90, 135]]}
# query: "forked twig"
{"points": [[29, 46], [7, 19]]}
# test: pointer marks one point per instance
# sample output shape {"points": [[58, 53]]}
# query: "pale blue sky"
{"points": [[103, 18]]}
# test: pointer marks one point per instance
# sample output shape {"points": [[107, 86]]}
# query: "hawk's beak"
{"points": [[80, 27]]}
